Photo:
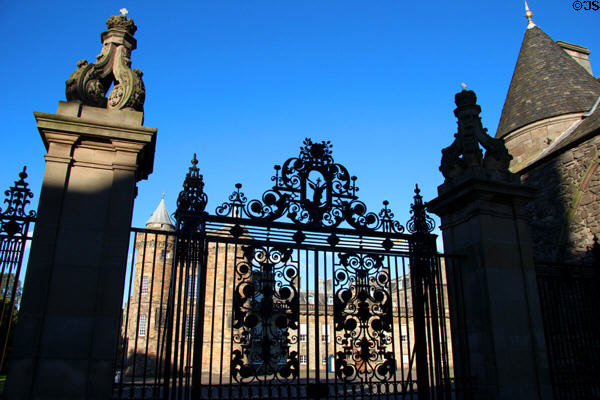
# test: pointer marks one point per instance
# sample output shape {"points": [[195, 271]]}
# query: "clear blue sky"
{"points": [[242, 83]]}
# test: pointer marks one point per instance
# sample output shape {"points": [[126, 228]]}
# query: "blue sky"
{"points": [[242, 83]]}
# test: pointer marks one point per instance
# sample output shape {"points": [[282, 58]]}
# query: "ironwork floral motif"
{"points": [[237, 200], [363, 318], [192, 199], [15, 218], [265, 315], [420, 222], [313, 190]]}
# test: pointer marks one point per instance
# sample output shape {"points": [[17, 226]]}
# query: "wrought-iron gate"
{"points": [[15, 230], [301, 294]]}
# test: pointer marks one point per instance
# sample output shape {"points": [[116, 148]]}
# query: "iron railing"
{"points": [[569, 297], [301, 294], [15, 235]]}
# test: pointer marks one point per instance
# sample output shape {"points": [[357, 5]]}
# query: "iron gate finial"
{"points": [[420, 222], [192, 199]]}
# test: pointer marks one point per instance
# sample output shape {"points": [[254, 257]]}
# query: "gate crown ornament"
{"points": [[312, 190], [464, 152], [89, 83]]}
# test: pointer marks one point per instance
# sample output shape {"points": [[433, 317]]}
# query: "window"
{"points": [[145, 285], [311, 299], [302, 333], [190, 322], [143, 324], [404, 338], [303, 359], [165, 254], [330, 300], [325, 333], [324, 360]]}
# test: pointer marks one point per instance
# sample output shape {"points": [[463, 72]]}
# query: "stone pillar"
{"points": [[71, 307], [497, 331]]}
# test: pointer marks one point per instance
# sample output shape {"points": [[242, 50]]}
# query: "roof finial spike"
{"points": [[528, 15]]}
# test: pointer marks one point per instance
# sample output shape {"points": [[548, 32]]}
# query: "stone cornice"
{"points": [[476, 189], [60, 123], [114, 131]]}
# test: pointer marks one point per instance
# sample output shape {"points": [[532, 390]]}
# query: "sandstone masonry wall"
{"points": [[565, 214]]}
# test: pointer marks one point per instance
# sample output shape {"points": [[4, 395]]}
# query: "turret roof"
{"points": [[160, 215], [546, 83]]}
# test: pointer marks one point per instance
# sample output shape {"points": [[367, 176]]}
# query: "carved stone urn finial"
{"points": [[90, 81], [465, 152]]}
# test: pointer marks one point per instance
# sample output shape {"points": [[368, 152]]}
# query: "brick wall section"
{"points": [[566, 212]]}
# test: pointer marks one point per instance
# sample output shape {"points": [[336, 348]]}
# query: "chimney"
{"points": [[578, 53]]}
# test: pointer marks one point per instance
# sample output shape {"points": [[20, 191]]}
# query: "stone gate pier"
{"points": [[497, 331], [97, 149]]}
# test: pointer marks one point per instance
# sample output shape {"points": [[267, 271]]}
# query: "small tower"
{"points": [[147, 304], [550, 123], [160, 219], [551, 91]]}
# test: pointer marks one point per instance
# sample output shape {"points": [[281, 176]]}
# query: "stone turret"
{"points": [[160, 218], [549, 94]]}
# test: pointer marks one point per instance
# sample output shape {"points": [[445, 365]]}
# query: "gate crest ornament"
{"points": [[312, 190], [89, 83]]}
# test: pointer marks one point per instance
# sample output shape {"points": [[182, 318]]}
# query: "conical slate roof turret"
{"points": [[160, 218], [546, 83]]}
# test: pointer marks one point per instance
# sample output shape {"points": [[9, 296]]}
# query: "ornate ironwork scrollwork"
{"points": [[313, 190], [237, 201], [420, 222], [266, 309], [363, 318], [15, 218], [192, 199]]}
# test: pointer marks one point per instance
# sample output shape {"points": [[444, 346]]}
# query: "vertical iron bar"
{"points": [[137, 327], [298, 344], [177, 282], [212, 324], [317, 346], [408, 304], [393, 338], [200, 310], [226, 267], [417, 272], [161, 319], [233, 280], [126, 341], [327, 328], [149, 320]]}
